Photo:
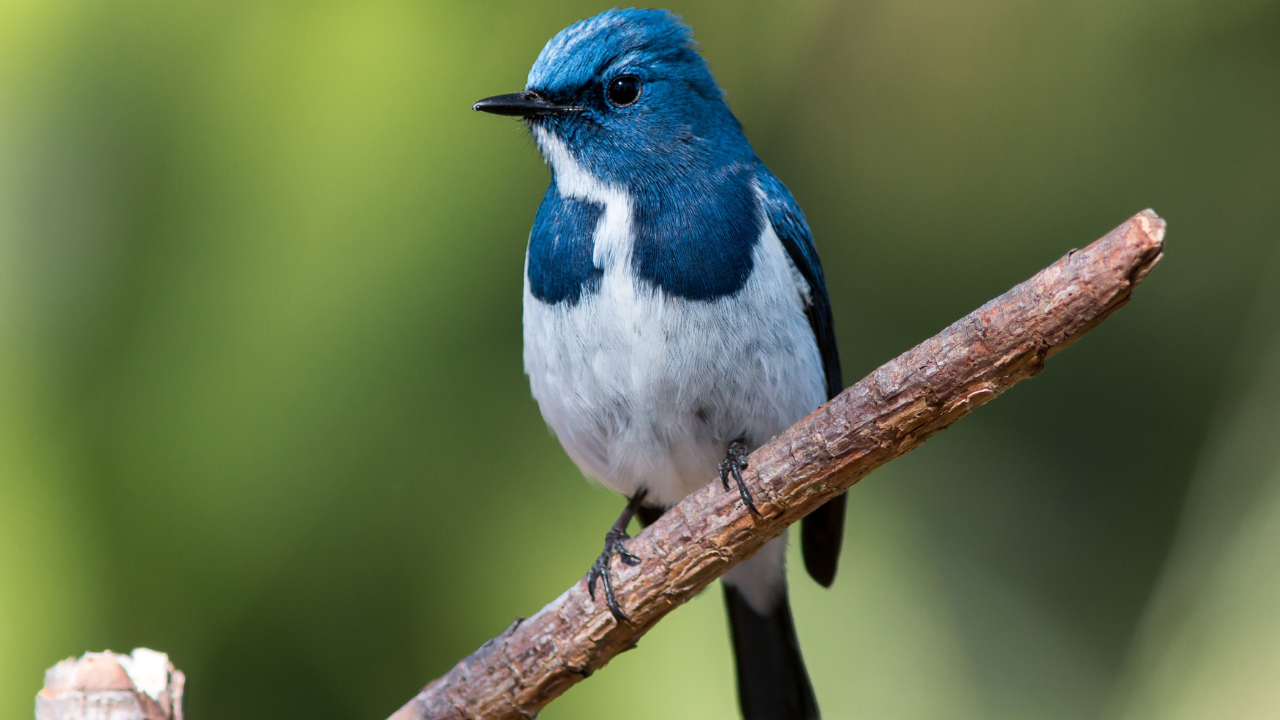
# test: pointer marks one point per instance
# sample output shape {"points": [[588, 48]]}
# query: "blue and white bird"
{"points": [[675, 313]]}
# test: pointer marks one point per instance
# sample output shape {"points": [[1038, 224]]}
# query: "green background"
{"points": [[261, 396]]}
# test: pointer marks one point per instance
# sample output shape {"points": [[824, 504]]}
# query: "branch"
{"points": [[886, 415]]}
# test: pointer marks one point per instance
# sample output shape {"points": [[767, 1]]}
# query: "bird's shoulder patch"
{"points": [[559, 261], [694, 239]]}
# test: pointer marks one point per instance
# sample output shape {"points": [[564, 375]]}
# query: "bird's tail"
{"points": [[772, 681]]}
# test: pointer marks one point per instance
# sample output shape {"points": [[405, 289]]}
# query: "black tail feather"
{"points": [[821, 534], [772, 681]]}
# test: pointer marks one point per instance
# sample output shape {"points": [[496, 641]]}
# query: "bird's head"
{"points": [[627, 94]]}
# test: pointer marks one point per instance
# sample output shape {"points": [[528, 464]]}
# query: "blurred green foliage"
{"points": [[261, 400]]}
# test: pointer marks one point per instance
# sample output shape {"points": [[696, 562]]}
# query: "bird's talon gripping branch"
{"points": [[626, 555], [600, 571], [613, 545], [734, 463]]}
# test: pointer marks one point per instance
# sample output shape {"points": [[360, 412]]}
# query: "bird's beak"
{"points": [[523, 104]]}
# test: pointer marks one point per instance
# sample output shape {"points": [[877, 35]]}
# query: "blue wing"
{"points": [[822, 531], [792, 229]]}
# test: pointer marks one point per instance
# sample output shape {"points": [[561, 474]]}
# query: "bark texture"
{"points": [[106, 686], [885, 415]]}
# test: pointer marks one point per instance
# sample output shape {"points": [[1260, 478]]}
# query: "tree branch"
{"points": [[885, 415]]}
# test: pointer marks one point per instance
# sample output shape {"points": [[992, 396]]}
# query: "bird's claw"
{"points": [[734, 463], [600, 570]]}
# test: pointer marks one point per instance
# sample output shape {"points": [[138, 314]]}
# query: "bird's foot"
{"points": [[613, 545], [600, 570], [733, 464]]}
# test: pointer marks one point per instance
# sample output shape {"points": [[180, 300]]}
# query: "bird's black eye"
{"points": [[623, 90]]}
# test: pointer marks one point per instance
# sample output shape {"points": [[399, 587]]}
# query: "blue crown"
{"points": [[589, 49]]}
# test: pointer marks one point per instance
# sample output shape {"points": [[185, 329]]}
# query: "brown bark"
{"points": [[887, 414]]}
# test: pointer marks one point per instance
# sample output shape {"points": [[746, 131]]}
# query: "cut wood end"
{"points": [[1151, 226], [142, 685]]}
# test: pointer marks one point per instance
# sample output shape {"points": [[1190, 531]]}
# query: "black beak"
{"points": [[523, 104]]}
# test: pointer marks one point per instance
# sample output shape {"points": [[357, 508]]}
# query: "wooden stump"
{"points": [[143, 685]]}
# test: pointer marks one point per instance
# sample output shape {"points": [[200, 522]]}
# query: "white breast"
{"points": [[646, 390]]}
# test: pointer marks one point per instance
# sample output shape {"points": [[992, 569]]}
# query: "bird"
{"points": [[675, 314]]}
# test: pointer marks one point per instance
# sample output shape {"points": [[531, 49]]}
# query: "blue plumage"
{"points": [[693, 239], [657, 150], [560, 266], [675, 311]]}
